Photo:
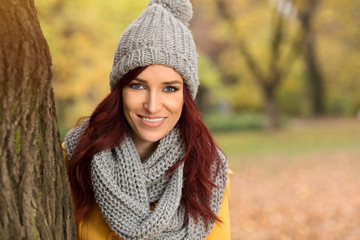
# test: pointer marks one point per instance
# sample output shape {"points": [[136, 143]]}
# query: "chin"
{"points": [[154, 137]]}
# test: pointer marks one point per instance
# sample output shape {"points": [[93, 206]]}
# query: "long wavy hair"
{"points": [[107, 128]]}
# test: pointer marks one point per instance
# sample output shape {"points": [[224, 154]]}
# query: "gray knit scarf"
{"points": [[124, 188]]}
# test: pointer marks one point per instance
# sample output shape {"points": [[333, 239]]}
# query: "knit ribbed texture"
{"points": [[124, 188], [159, 36]]}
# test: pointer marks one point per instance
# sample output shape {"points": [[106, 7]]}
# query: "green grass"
{"points": [[233, 122], [299, 138]]}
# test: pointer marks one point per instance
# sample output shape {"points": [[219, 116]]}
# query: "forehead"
{"points": [[159, 73]]}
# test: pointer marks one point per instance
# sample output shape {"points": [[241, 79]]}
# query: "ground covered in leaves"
{"points": [[314, 195]]}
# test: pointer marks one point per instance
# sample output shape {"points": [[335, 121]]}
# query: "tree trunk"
{"points": [[315, 78], [34, 191], [270, 108]]}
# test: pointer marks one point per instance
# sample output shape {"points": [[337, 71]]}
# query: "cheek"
{"points": [[176, 105], [131, 98], [129, 104]]}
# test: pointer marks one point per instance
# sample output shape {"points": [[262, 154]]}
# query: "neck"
{"points": [[144, 148]]}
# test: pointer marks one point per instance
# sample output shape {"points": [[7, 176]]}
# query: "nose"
{"points": [[153, 102]]}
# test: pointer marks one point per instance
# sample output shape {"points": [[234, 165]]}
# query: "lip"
{"points": [[157, 121]]}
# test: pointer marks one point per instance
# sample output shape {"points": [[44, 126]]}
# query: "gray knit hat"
{"points": [[159, 36]]}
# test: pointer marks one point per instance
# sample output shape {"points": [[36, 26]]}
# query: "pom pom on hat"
{"points": [[181, 9]]}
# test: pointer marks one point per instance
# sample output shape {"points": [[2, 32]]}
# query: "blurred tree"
{"points": [[280, 62], [323, 39], [34, 191], [337, 28], [211, 89], [306, 11]]}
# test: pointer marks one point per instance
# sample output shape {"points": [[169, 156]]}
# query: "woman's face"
{"points": [[153, 103]]}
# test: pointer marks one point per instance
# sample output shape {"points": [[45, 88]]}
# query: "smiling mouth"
{"points": [[152, 120]]}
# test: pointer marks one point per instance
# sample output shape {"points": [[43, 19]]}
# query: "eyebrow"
{"points": [[165, 83]]}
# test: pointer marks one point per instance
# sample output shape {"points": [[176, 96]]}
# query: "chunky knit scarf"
{"points": [[124, 188]]}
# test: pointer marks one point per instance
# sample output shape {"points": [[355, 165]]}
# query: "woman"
{"points": [[144, 165]]}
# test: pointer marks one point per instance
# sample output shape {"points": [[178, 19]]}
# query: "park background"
{"points": [[279, 89]]}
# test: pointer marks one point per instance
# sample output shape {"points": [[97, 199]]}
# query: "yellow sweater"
{"points": [[94, 226]]}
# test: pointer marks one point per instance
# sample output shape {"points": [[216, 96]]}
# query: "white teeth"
{"points": [[153, 119]]}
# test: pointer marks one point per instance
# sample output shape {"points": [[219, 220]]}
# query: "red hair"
{"points": [[107, 128]]}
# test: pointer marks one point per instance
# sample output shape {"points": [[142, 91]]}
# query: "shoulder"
{"points": [[72, 137]]}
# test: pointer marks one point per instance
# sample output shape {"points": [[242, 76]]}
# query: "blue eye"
{"points": [[136, 86], [170, 89]]}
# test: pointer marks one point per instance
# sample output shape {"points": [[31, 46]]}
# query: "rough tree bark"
{"points": [[35, 196]]}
